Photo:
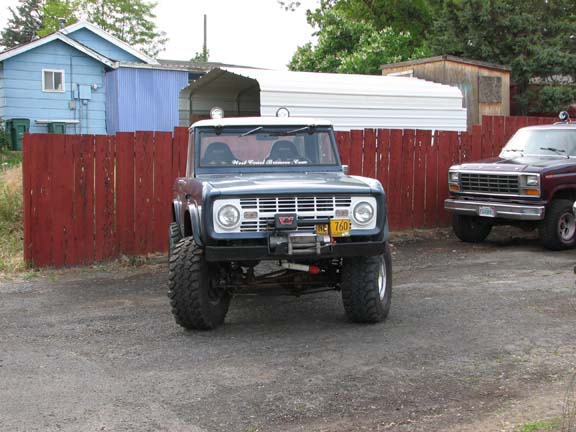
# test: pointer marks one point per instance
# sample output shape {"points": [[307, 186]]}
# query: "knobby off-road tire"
{"points": [[197, 304], [470, 229], [558, 229], [367, 287], [174, 236]]}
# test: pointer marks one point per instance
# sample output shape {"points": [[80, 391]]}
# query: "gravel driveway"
{"points": [[480, 337]]}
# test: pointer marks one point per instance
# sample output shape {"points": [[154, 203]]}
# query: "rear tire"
{"points": [[367, 287], [197, 302], [470, 229], [558, 229]]}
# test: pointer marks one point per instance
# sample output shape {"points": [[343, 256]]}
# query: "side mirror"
{"points": [[346, 169]]}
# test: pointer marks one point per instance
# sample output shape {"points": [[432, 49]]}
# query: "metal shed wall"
{"points": [[349, 101], [143, 99]]}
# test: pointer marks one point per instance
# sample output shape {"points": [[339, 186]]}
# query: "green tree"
{"points": [[24, 23], [349, 45], [56, 10], [129, 20], [537, 38]]}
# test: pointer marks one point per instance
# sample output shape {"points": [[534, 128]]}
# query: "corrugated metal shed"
{"points": [[349, 101], [143, 98]]}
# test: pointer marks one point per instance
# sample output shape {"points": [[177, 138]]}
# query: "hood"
{"points": [[519, 164], [316, 183]]}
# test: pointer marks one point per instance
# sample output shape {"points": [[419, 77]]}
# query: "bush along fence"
{"points": [[92, 198]]}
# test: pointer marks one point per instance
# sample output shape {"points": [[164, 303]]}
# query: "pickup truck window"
{"points": [[541, 142], [257, 147]]}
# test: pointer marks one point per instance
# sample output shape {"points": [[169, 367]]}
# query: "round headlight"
{"points": [[363, 213], [228, 216]]}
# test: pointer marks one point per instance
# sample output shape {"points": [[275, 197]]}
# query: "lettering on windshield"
{"points": [[268, 162]]}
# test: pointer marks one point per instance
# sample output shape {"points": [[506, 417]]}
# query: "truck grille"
{"points": [[295, 204], [489, 183], [306, 207]]}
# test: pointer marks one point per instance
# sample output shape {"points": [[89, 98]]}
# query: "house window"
{"points": [[52, 80]]}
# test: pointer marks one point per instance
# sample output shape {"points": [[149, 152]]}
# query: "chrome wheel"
{"points": [[566, 227]]}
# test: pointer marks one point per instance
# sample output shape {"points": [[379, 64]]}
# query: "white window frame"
{"points": [[44, 89]]}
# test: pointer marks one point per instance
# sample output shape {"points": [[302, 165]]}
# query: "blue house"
{"points": [[89, 81]]}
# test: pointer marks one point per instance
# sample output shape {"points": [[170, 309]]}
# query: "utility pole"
{"points": [[205, 47]]}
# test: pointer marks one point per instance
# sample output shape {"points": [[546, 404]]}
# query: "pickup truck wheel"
{"points": [[174, 236], [558, 229], [198, 303], [470, 229], [367, 287]]}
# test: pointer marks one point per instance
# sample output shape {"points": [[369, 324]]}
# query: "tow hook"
{"points": [[312, 269]]}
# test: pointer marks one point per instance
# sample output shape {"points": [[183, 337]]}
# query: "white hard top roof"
{"points": [[262, 121]]}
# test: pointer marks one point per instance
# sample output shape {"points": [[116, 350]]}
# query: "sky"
{"points": [[256, 33]]}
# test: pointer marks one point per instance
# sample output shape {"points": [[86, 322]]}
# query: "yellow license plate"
{"points": [[338, 228]]}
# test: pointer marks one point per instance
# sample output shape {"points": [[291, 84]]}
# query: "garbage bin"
{"points": [[57, 127], [16, 128]]}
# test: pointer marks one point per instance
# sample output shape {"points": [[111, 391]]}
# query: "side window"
{"points": [[52, 80]]}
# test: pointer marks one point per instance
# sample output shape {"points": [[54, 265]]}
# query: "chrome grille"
{"points": [[306, 207], [489, 183], [295, 204]]}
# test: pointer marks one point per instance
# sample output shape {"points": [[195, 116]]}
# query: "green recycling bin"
{"points": [[57, 127], [16, 128]]}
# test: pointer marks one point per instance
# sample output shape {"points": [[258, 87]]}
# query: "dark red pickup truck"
{"points": [[532, 184]]}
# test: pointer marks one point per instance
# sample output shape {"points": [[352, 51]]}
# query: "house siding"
{"points": [[102, 46], [2, 99], [24, 98], [143, 99]]}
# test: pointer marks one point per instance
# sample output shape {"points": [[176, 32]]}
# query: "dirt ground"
{"points": [[480, 338]]}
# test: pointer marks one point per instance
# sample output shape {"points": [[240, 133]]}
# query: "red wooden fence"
{"points": [[91, 198]]}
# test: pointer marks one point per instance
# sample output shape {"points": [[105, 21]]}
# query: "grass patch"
{"points": [[540, 426], [11, 220], [9, 159]]}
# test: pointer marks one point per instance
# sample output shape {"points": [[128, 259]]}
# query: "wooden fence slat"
{"points": [[465, 147], [432, 183], [444, 161], [144, 191], [422, 143], [162, 190], [498, 135], [395, 179], [487, 144], [343, 141], [42, 223], [105, 232], [476, 143], [179, 152], [125, 192], [84, 200], [407, 179], [62, 206], [383, 157], [369, 169], [356, 151]]}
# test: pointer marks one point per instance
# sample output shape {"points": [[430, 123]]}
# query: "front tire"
{"points": [[198, 303], [470, 229], [174, 236], [558, 229], [367, 287]]}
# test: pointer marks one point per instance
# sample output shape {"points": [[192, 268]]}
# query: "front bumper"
{"points": [[501, 210], [262, 252]]}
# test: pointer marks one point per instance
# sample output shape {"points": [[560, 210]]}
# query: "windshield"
{"points": [[541, 142], [253, 146]]}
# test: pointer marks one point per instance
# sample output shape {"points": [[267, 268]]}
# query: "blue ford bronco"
{"points": [[274, 189]]}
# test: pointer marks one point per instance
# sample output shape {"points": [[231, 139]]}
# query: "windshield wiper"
{"points": [[555, 150], [310, 130], [514, 150], [250, 132]]}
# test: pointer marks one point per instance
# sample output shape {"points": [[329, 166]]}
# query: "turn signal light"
{"points": [[454, 187], [533, 192]]}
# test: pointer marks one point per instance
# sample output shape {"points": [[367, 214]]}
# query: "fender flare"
{"points": [[195, 222]]}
